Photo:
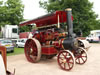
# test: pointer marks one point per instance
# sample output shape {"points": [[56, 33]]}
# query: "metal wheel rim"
{"points": [[66, 60], [32, 50], [82, 57]]}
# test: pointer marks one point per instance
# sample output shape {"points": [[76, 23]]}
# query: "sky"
{"points": [[33, 10], [96, 7]]}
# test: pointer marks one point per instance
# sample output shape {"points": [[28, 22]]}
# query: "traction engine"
{"points": [[49, 40]]}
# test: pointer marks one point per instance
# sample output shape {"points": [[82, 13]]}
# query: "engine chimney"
{"points": [[70, 42], [69, 22]]}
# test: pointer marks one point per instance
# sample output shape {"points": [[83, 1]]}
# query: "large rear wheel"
{"points": [[32, 50]]}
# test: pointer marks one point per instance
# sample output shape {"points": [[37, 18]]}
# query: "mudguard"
{"points": [[85, 44]]}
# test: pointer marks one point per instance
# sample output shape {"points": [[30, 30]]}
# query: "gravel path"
{"points": [[50, 67]]}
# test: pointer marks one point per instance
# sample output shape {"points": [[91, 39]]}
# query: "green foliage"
{"points": [[28, 28], [24, 29], [84, 16], [11, 12]]}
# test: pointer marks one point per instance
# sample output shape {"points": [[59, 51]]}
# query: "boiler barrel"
{"points": [[70, 43]]}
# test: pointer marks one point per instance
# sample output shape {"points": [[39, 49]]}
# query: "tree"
{"points": [[11, 12], [3, 14], [15, 11], [84, 16]]}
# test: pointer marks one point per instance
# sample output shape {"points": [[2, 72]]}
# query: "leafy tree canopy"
{"points": [[11, 12], [84, 17]]}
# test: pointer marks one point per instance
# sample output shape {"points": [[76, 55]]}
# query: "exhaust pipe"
{"points": [[69, 22], [70, 42]]}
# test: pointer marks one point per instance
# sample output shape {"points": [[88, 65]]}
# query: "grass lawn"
{"points": [[16, 51]]}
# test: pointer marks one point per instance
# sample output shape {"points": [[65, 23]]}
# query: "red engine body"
{"points": [[48, 34], [50, 39]]}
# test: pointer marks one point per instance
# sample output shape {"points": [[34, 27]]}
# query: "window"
{"points": [[14, 30], [7, 41], [98, 34]]}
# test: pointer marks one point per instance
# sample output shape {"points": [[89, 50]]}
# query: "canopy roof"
{"points": [[46, 20]]}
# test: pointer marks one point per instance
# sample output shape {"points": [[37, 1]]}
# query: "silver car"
{"points": [[8, 44]]}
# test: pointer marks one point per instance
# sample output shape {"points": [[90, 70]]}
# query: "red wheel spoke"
{"points": [[83, 59], [33, 57], [61, 58], [68, 65], [66, 54], [71, 62], [69, 58], [83, 56], [34, 48], [64, 65], [63, 54], [67, 62], [79, 60], [61, 63]]}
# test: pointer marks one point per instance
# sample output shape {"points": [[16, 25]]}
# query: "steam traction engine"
{"points": [[49, 40]]}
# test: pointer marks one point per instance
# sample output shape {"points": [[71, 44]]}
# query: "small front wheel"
{"points": [[81, 56], [66, 60]]}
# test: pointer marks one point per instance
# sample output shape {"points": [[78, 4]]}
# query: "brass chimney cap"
{"points": [[68, 9]]}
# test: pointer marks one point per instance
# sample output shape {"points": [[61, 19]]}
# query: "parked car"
{"points": [[94, 36], [8, 44], [20, 42], [14, 42]]}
